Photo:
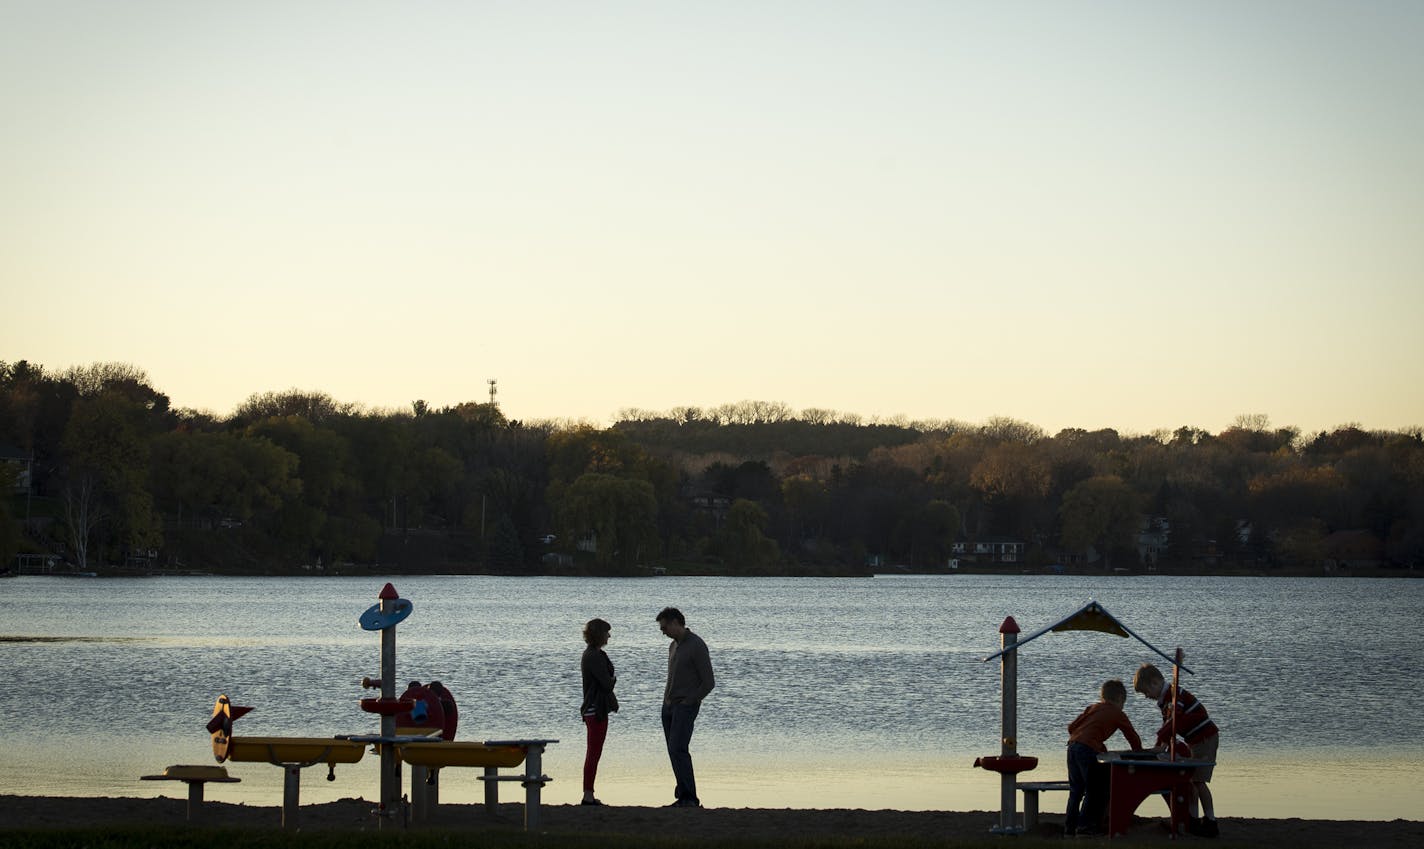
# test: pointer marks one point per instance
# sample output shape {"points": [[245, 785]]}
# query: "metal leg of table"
{"points": [[533, 784], [291, 795], [195, 800], [419, 794], [491, 790]]}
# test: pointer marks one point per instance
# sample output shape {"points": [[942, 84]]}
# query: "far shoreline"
{"points": [[702, 571]]}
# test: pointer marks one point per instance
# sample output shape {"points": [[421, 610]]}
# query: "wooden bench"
{"points": [[195, 777], [1031, 789]]}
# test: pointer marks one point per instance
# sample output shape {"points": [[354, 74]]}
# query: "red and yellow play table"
{"points": [[1133, 776]]}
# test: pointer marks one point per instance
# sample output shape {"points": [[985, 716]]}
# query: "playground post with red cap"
{"points": [[1008, 763], [1009, 722], [390, 766]]}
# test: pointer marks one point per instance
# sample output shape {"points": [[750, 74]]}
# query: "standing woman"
{"points": [[598, 700]]}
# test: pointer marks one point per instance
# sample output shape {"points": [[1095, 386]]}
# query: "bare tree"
{"points": [[82, 514]]}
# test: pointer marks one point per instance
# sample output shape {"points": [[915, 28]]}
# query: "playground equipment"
{"points": [[417, 727], [1009, 763], [291, 754], [195, 777], [1135, 776], [423, 743]]}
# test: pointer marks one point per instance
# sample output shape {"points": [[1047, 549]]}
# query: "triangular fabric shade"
{"points": [[1090, 617]]}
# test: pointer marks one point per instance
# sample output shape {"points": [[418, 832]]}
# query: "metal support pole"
{"points": [[533, 784], [291, 792], [390, 767], [1176, 671], [419, 793], [1009, 720], [195, 800], [491, 783]]}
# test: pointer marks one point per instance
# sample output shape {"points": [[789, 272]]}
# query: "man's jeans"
{"points": [[677, 729]]}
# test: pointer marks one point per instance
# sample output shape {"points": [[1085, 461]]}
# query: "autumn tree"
{"points": [[316, 407], [1013, 478], [1297, 495], [619, 514], [9, 531], [224, 474], [805, 500], [1100, 512], [742, 539], [106, 453], [926, 533]]}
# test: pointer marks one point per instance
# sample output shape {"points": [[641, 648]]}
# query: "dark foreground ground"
{"points": [[51, 821]]}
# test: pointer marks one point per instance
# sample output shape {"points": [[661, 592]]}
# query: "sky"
{"points": [[1135, 214]]}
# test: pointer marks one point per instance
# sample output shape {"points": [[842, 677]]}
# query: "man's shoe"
{"points": [[1194, 826], [686, 803], [590, 802]]}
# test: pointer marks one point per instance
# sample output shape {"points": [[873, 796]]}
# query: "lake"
{"points": [[831, 692]]}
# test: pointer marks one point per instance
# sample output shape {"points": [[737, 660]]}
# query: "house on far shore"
{"points": [[988, 551], [1153, 534]]}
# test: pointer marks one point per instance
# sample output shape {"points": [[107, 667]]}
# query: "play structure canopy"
{"points": [[1090, 617]]}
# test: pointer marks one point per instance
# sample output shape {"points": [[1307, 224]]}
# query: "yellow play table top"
{"points": [[461, 754], [283, 750]]}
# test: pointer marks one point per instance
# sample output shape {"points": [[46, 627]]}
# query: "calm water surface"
{"points": [[866, 693]]}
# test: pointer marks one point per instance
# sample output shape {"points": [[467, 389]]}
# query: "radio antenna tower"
{"points": [[492, 383]]}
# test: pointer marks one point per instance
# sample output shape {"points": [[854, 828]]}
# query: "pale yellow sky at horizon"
{"points": [[1136, 215]]}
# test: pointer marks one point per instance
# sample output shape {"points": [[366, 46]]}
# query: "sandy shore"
{"points": [[17, 812]]}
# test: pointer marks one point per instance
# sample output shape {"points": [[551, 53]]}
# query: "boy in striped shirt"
{"points": [[1196, 728]]}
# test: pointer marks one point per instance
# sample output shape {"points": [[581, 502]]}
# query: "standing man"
{"points": [[689, 680]]}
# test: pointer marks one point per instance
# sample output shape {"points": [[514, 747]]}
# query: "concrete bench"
{"points": [[1031, 789], [195, 777]]}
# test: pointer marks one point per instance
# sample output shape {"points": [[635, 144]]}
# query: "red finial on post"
{"points": [[1009, 626], [388, 592]]}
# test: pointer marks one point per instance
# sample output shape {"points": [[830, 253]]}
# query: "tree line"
{"points": [[103, 471]]}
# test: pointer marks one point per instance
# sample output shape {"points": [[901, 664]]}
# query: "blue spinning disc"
{"points": [[374, 620]]}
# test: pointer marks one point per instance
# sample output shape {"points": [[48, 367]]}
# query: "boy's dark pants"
{"points": [[1095, 804], [1082, 767]]}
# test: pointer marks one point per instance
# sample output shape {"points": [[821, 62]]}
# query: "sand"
{"points": [[20, 812]]}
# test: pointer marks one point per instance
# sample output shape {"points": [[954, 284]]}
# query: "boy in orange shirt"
{"points": [[1087, 736]]}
